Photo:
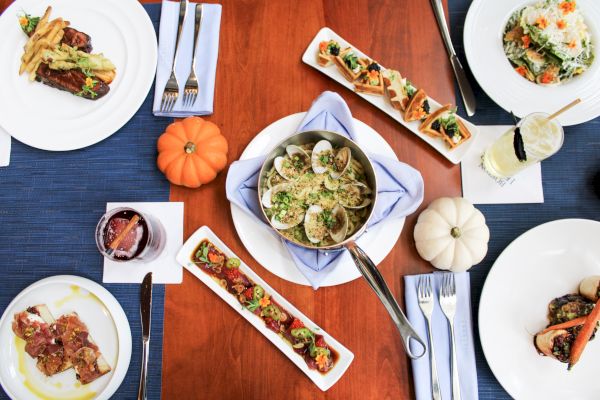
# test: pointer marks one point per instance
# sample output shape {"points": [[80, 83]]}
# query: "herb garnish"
{"points": [[90, 83], [28, 23]]}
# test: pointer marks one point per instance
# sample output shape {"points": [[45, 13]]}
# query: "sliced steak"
{"points": [[75, 38], [71, 81]]}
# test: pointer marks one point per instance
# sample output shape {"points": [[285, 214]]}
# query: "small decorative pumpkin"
{"points": [[452, 234], [191, 152]]}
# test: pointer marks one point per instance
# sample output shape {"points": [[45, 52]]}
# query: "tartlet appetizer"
{"points": [[350, 64], [327, 50], [371, 81], [399, 89], [445, 124], [418, 107]]}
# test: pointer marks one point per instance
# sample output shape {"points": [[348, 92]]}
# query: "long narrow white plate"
{"points": [[107, 323], [310, 58], [323, 381], [545, 262], [51, 119]]}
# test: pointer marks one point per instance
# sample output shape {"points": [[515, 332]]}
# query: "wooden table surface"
{"points": [[209, 351]]}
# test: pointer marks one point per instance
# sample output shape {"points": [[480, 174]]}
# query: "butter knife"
{"points": [[146, 314], [461, 78]]}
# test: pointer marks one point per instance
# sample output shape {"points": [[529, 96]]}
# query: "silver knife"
{"points": [[146, 314], [463, 83]]}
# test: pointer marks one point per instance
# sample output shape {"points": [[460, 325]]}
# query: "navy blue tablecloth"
{"points": [[568, 192], [50, 204]]}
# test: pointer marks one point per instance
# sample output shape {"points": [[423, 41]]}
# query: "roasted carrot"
{"points": [[565, 325], [584, 335]]}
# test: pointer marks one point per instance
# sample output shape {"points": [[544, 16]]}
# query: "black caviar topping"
{"points": [[426, 107], [334, 50], [451, 131], [436, 125], [373, 67]]}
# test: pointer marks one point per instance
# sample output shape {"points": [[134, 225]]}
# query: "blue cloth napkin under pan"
{"points": [[206, 57], [400, 187], [463, 329]]}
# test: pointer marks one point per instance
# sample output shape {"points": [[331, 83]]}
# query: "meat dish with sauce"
{"points": [[311, 346]]}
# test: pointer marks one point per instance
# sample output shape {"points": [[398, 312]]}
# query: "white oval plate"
{"points": [[108, 326], [267, 248], [323, 381], [51, 119], [483, 33], [545, 262]]}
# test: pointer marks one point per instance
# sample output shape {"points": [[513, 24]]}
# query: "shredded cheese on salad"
{"points": [[548, 42]]}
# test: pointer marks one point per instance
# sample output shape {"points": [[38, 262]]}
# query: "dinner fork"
{"points": [[190, 92], [448, 305], [171, 92], [425, 297]]}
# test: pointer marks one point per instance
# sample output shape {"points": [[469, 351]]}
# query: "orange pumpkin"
{"points": [[191, 152]]}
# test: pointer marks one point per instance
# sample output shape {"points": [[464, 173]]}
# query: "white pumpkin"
{"points": [[452, 234]]}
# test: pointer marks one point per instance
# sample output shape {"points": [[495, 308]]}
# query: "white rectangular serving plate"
{"points": [[323, 381], [310, 58]]}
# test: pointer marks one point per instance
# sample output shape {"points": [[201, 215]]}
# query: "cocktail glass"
{"points": [[144, 241], [541, 139]]}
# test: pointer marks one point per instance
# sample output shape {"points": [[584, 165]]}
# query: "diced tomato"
{"points": [[526, 41], [248, 294], [561, 24], [547, 77], [323, 46], [521, 70], [296, 323], [320, 342], [231, 273]]}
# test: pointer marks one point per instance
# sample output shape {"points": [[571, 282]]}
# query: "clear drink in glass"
{"points": [[541, 139]]}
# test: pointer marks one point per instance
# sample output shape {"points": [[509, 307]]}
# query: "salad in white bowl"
{"points": [[548, 42]]}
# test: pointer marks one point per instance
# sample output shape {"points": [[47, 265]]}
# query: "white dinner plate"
{"points": [[107, 324], [545, 262], [51, 119], [310, 58], [267, 248], [323, 381], [483, 32]]}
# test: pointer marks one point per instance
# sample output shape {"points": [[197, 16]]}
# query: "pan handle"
{"points": [[377, 283]]}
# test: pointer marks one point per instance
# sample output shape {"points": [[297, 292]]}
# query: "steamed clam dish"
{"points": [[316, 194]]}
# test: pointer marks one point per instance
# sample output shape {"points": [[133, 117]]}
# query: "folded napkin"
{"points": [[206, 58], [463, 328], [5, 142], [400, 187]]}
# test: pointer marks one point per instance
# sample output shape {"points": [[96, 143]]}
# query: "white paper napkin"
{"points": [[165, 269], [481, 188], [206, 58], [5, 142]]}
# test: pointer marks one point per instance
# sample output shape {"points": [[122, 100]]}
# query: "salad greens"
{"points": [[548, 42]]}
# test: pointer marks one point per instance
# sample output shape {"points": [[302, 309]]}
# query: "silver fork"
{"points": [[425, 297], [448, 305], [190, 92], [171, 92]]}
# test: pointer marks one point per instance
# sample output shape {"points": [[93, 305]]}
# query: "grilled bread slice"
{"points": [[371, 80]]}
